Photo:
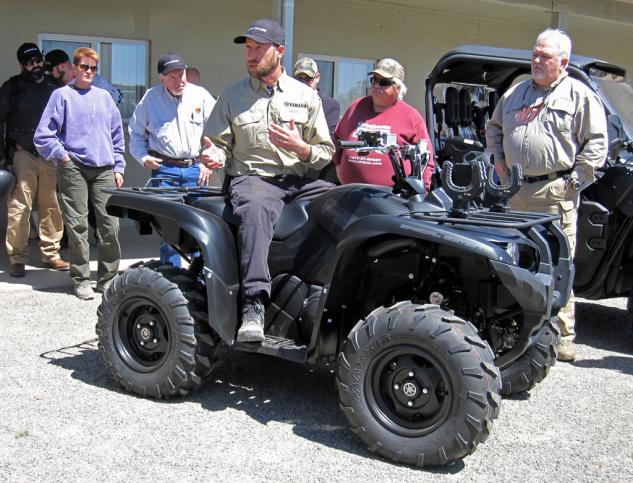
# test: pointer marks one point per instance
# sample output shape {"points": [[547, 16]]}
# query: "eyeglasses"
{"points": [[381, 82], [304, 78], [86, 68]]}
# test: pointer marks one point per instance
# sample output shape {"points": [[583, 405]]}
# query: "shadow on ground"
{"points": [[604, 327], [264, 388]]}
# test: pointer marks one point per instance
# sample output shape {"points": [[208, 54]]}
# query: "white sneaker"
{"points": [[83, 290]]}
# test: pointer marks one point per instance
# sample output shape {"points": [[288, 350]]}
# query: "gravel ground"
{"points": [[259, 418]]}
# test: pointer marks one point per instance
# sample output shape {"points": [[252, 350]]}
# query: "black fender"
{"points": [[538, 300], [212, 235], [373, 226]]}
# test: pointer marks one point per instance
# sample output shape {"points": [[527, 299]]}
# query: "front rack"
{"points": [[482, 217]]}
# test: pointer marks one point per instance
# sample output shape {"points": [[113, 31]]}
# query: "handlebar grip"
{"points": [[352, 144]]}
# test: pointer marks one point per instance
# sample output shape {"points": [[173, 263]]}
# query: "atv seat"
{"points": [[293, 216]]}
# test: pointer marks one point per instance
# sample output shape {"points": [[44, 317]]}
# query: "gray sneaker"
{"points": [[252, 329], [83, 290]]}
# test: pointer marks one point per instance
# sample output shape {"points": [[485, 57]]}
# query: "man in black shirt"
{"points": [[22, 100], [307, 71]]}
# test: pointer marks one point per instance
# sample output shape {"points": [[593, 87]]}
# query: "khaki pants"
{"points": [[35, 180], [80, 185], [552, 197]]}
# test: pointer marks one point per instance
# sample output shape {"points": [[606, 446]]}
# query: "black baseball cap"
{"points": [[56, 57], [27, 51], [170, 61], [263, 31]]}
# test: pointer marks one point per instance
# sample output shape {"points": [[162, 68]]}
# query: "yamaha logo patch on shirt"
{"points": [[295, 104]]}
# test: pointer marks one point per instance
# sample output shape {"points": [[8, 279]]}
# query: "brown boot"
{"points": [[57, 264], [566, 351], [17, 270]]}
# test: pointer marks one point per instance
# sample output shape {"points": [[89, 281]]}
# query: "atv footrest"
{"points": [[275, 346]]}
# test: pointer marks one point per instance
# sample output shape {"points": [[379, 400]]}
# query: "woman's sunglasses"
{"points": [[381, 82], [86, 68]]}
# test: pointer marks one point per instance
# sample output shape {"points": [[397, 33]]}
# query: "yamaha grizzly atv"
{"points": [[368, 277], [461, 94]]}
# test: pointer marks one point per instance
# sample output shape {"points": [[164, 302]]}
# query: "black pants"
{"points": [[257, 203]]}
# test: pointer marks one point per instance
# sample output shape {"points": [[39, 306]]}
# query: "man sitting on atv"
{"points": [[267, 129]]}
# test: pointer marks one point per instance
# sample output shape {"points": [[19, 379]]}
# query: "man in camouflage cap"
{"points": [[307, 71], [389, 69]]}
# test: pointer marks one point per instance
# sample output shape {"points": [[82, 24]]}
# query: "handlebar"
{"points": [[352, 144]]}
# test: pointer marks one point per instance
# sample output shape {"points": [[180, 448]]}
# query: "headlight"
{"points": [[512, 249], [522, 255]]}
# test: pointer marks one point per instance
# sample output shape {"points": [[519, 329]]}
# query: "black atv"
{"points": [[368, 277], [461, 94]]}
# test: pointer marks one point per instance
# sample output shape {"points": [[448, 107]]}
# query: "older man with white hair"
{"points": [[555, 128], [383, 111]]}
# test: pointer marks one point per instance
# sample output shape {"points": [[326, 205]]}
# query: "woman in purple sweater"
{"points": [[81, 131]]}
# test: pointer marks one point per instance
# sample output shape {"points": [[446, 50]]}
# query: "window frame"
{"points": [[335, 59]]}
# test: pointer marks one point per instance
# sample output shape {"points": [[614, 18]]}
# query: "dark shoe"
{"points": [[252, 329], [57, 264], [103, 287], [17, 270]]}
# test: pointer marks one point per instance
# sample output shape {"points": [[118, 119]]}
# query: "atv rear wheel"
{"points": [[153, 331], [533, 365], [418, 385]]}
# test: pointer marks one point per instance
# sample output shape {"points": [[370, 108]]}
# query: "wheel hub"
{"points": [[142, 335], [409, 390], [412, 387], [145, 332]]}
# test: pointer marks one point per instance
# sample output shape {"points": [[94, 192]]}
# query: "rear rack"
{"points": [[481, 217]]}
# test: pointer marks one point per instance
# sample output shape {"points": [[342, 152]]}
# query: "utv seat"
{"points": [[293, 216]]}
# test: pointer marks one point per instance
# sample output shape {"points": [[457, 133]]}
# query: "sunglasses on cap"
{"points": [[381, 82], [86, 68], [304, 78]]}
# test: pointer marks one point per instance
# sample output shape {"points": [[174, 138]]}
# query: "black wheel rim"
{"points": [[409, 390], [141, 335]]}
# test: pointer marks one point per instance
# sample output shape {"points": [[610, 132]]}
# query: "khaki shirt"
{"points": [[548, 130], [241, 117]]}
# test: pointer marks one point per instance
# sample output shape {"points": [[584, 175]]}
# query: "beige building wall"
{"points": [[417, 32]]}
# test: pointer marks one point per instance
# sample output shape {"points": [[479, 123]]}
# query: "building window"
{"points": [[344, 79], [123, 63]]}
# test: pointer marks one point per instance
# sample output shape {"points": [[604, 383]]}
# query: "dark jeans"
{"points": [[80, 186], [257, 203]]}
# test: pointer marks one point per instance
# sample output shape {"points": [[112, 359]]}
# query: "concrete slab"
{"points": [[134, 248]]}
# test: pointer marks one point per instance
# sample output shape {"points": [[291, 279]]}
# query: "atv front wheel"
{"points": [[418, 385], [533, 365], [153, 332]]}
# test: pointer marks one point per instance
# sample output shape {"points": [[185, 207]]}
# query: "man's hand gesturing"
{"points": [[210, 155]]}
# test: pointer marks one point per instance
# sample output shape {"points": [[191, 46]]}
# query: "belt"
{"points": [[33, 151], [548, 176], [175, 162]]}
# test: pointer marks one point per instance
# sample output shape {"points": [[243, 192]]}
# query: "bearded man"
{"points": [[22, 100], [267, 131]]}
